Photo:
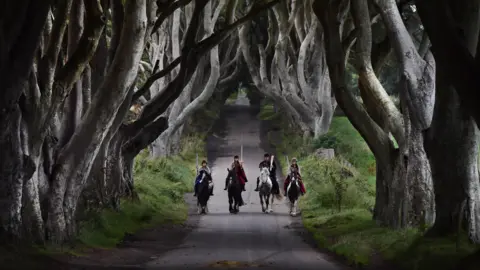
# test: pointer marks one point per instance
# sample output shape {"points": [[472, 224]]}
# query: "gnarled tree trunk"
{"points": [[452, 145]]}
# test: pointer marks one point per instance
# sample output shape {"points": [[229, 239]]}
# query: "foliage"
{"points": [[335, 186], [160, 184], [267, 112], [355, 236], [349, 144], [231, 99], [339, 199]]}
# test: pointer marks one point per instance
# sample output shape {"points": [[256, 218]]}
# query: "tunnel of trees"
{"points": [[86, 85]]}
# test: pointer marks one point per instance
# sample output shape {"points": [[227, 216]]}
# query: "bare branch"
{"points": [[146, 86], [191, 53], [48, 64], [167, 12]]}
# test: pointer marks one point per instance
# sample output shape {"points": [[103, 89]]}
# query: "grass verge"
{"points": [[160, 185], [336, 208]]}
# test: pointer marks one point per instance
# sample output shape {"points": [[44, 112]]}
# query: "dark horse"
{"points": [[234, 189], [293, 192], [203, 194]]}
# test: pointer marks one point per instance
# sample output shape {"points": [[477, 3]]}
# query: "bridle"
{"points": [[264, 174]]}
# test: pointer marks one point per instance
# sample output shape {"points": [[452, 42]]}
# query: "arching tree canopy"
{"points": [[86, 85]]}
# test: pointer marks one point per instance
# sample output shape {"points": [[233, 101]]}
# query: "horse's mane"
{"points": [[232, 173]]}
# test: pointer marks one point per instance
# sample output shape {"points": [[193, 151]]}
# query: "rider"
{"points": [[294, 169], [203, 172], [267, 160], [238, 166]]}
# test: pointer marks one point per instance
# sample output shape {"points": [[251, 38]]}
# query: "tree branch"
{"points": [[21, 29], [172, 7], [48, 63], [151, 80], [191, 53]]}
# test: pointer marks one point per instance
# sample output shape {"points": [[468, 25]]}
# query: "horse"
{"points": [[293, 192], [265, 190], [203, 194], [234, 192]]}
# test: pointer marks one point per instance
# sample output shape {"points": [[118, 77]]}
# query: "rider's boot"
{"points": [[243, 187], [258, 181]]}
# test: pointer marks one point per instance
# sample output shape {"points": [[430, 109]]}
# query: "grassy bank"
{"points": [[160, 185], [339, 199]]}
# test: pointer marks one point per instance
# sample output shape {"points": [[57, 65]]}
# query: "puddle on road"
{"points": [[233, 264]]}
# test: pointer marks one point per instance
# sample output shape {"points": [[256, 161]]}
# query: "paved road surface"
{"points": [[251, 238]]}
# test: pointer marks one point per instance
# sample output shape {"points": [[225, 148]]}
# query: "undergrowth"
{"points": [[337, 208], [160, 185]]}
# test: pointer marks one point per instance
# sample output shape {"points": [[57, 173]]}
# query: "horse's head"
{"points": [[294, 180], [231, 176], [264, 174]]}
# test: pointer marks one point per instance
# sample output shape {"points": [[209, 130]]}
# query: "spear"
{"points": [[271, 162], [241, 149], [197, 162], [288, 163]]}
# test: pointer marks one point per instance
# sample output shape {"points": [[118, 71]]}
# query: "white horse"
{"points": [[293, 192], [265, 190]]}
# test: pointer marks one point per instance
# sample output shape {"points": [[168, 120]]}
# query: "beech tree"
{"points": [[191, 99], [451, 50], [404, 186], [453, 138], [67, 130], [290, 67]]}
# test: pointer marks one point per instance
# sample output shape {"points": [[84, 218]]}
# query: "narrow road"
{"points": [[250, 239]]}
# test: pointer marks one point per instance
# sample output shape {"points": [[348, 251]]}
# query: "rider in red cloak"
{"points": [[242, 177], [295, 170]]}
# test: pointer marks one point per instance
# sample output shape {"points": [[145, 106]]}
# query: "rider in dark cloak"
{"points": [[267, 160], [238, 166], [295, 170], [203, 173]]}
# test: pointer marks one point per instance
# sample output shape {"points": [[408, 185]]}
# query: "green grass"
{"points": [[160, 185], [356, 237], [336, 208], [349, 144], [232, 98]]}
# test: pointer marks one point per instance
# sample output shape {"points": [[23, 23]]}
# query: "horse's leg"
{"points": [[290, 205], [230, 201], [238, 201], [267, 202], [199, 207], [269, 205], [294, 208], [261, 201]]}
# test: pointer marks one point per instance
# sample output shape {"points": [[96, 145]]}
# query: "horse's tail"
{"points": [[278, 196]]}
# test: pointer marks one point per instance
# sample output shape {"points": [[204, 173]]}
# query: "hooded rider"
{"points": [[203, 172], [272, 167], [294, 170], [238, 166]]}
